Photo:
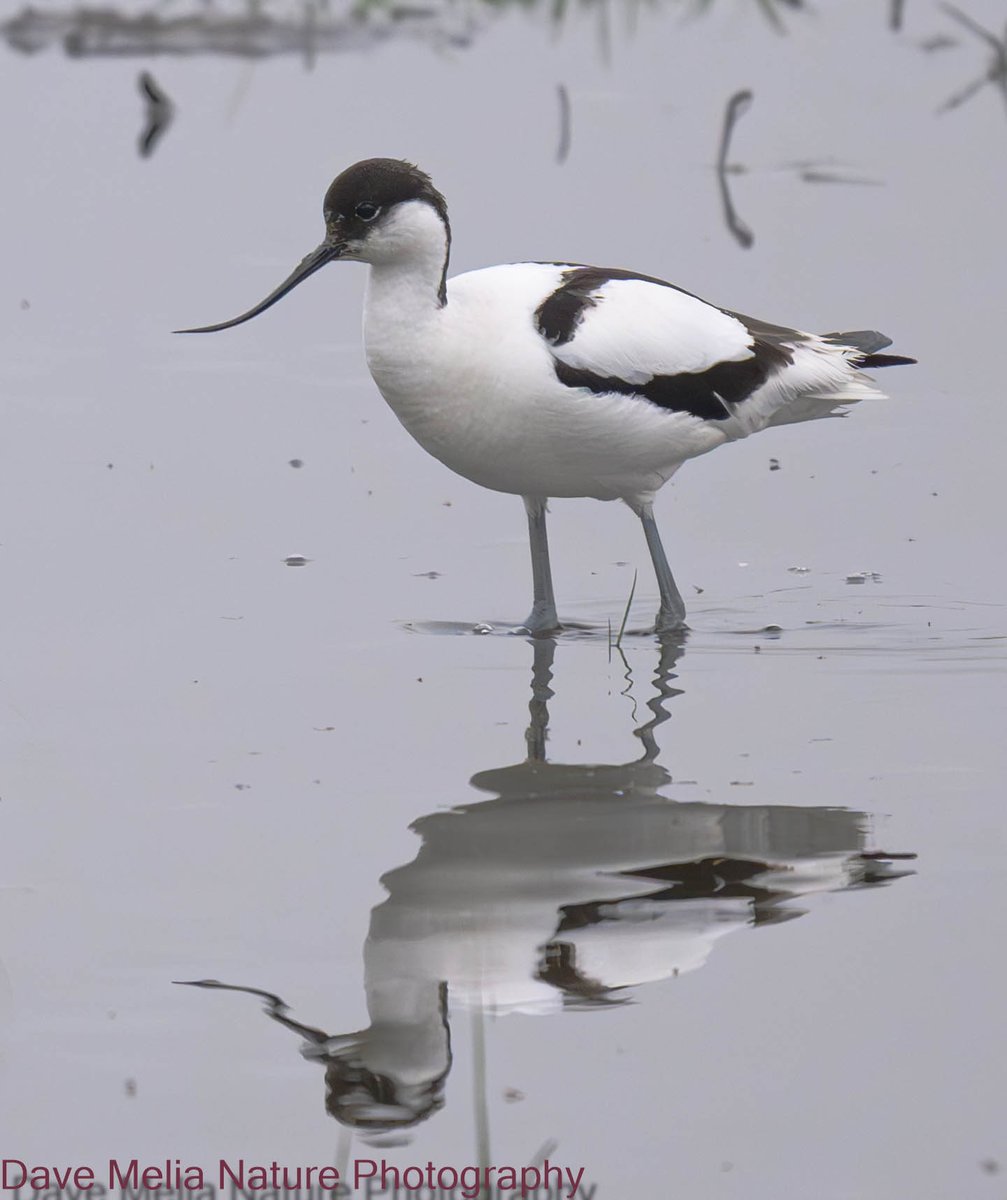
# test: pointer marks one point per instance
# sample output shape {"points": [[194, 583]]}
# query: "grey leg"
{"points": [[671, 615], [542, 619]]}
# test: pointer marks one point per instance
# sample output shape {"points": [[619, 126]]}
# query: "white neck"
{"points": [[403, 303], [408, 256]]}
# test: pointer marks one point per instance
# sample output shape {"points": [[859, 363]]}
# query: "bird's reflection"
{"points": [[567, 887]]}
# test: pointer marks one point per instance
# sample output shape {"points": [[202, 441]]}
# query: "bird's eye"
{"points": [[367, 210]]}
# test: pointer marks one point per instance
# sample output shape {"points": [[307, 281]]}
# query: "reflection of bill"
{"points": [[571, 885]]}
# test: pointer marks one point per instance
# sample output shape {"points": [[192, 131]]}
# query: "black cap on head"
{"points": [[381, 181]]}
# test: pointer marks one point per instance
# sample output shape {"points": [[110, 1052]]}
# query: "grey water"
{"points": [[716, 918]]}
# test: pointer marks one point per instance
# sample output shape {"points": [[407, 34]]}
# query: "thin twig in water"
{"points": [[563, 149], [896, 14], [771, 16], [343, 1153], [625, 615], [970, 23], [737, 106], [546, 1150], [479, 1100], [996, 72]]}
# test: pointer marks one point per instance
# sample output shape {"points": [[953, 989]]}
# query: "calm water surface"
{"points": [[642, 911]]}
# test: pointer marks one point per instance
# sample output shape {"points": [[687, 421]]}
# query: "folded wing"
{"points": [[614, 331]]}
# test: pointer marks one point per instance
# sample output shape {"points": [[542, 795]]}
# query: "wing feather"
{"points": [[613, 331]]}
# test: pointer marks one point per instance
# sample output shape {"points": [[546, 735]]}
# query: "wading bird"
{"points": [[558, 379]]}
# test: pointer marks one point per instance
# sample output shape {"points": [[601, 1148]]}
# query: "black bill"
{"points": [[325, 253]]}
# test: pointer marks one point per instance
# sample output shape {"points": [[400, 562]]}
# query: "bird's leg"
{"points": [[671, 614], [542, 619]]}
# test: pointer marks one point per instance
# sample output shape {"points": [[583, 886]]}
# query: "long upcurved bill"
{"points": [[308, 265]]}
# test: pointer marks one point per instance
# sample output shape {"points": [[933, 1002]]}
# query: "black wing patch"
{"points": [[559, 314], [708, 394]]}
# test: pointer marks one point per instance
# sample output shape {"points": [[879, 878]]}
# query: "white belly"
{"points": [[475, 385]]}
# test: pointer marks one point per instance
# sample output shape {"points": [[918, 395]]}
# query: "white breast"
{"points": [[475, 384]]}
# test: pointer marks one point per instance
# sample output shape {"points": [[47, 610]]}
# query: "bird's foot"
{"points": [[542, 621], [670, 622]]}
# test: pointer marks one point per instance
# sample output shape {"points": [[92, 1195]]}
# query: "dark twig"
{"points": [[563, 149], [897, 12], [160, 113], [996, 72], [737, 106]]}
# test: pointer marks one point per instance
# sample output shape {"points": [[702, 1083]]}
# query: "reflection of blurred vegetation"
{"points": [[259, 28], [559, 10], [995, 73], [770, 9], [308, 28]]}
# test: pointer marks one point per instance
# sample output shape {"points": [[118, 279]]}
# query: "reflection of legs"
{"points": [[671, 615], [542, 619], [541, 694]]}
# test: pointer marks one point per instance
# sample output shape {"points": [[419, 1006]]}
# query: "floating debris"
{"points": [[296, 463], [482, 628], [774, 464], [864, 577], [817, 175], [160, 113], [799, 570], [564, 124], [296, 560]]}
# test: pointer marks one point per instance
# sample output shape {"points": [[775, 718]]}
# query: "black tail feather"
{"points": [[868, 342], [884, 360]]}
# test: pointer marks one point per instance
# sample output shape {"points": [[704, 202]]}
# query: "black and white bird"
{"points": [[558, 379]]}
